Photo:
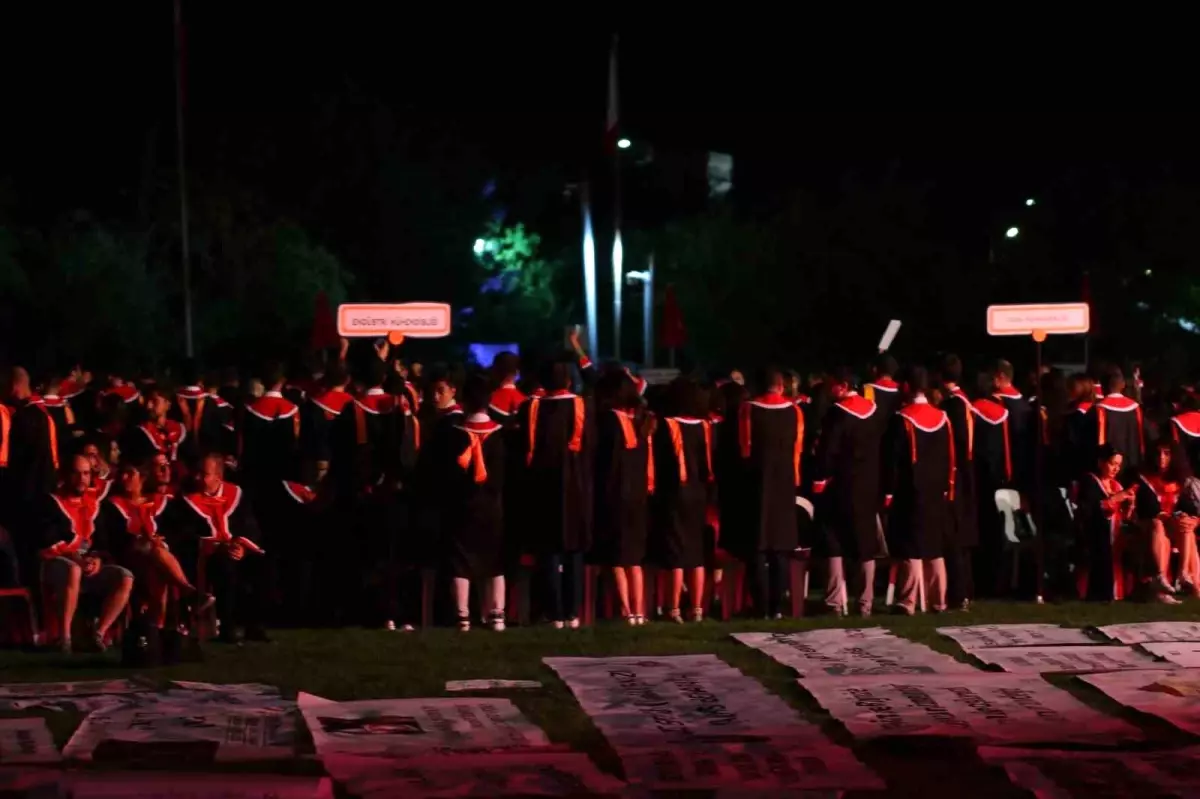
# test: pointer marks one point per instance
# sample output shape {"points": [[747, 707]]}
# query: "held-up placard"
{"points": [[1047, 318], [413, 319]]}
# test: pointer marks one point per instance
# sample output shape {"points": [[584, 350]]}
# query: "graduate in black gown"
{"points": [[1185, 428], [270, 436], [1116, 419], [920, 485], [468, 462], [1023, 427], [32, 469], [625, 478], [849, 496], [760, 525], [206, 418], [157, 433], [962, 535], [994, 470], [1077, 450], [882, 388], [683, 484], [558, 437]]}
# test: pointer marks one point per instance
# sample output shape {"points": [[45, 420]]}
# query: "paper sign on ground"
{"points": [[225, 733], [75, 704], [1183, 654], [692, 722], [987, 636], [204, 700], [528, 773], [490, 685], [239, 689], [849, 652], [1153, 631], [998, 708], [1173, 696], [1067, 659], [143, 785], [42, 689], [26, 741], [401, 727], [1050, 774]]}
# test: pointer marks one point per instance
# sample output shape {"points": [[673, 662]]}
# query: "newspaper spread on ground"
{"points": [[988, 636], [1184, 654], [1067, 659], [186, 730], [74, 704], [692, 722], [237, 689], [849, 652], [986, 707], [1051, 774], [527, 773], [404, 727], [158, 785], [491, 685], [1173, 696], [1153, 631], [26, 741], [26, 690]]}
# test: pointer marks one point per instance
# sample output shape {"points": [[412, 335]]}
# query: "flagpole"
{"points": [[589, 268], [183, 206]]}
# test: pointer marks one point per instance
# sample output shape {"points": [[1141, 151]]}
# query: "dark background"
{"points": [[359, 149]]}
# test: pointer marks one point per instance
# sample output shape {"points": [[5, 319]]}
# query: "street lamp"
{"points": [[1030, 203], [1012, 233], [480, 246], [624, 144]]}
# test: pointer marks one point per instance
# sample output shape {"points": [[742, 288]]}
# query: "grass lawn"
{"points": [[361, 664]]}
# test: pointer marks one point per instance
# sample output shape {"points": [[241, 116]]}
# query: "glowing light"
{"points": [[1030, 203], [1149, 272], [1012, 232], [624, 144], [480, 246]]}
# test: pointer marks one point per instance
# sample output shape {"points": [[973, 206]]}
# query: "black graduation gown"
{"points": [[1117, 420], [65, 425], [207, 420], [148, 440], [885, 393], [1099, 526], [558, 442], [1078, 451], [622, 489], [920, 479], [32, 474], [318, 417], [270, 436], [993, 466], [759, 508], [1185, 430], [848, 481], [964, 519], [241, 587], [73, 527], [1023, 431], [131, 526], [681, 492], [469, 458]]}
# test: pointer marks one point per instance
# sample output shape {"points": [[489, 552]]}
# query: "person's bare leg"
{"points": [[676, 591], [622, 583], [68, 600], [1189, 559], [462, 602], [1160, 551], [637, 591], [696, 590], [168, 565], [114, 604]]}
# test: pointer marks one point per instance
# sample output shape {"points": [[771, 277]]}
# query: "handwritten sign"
{"points": [[1025, 320], [413, 319]]}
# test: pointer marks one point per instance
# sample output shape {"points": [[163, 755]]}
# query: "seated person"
{"points": [[230, 564], [1105, 510], [75, 561], [1165, 510]]}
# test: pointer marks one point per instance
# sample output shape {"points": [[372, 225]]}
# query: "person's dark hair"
{"points": [[917, 378], [1106, 452], [1189, 402], [143, 467], [1112, 381], [1003, 367], [733, 395], [374, 373], [843, 376], [475, 393], [505, 367], [685, 398], [951, 368], [272, 374], [886, 365], [1180, 468], [190, 373], [336, 375], [768, 378], [556, 373]]}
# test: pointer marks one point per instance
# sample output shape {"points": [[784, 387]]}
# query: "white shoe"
{"points": [[390, 626], [1167, 599], [496, 621], [558, 625], [573, 624], [697, 614], [407, 628], [631, 620], [641, 620]]}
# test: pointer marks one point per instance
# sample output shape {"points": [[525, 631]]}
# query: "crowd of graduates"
{"points": [[321, 498]]}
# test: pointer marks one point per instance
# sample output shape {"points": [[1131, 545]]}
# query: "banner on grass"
{"points": [[1067, 659], [117, 785], [401, 727], [76, 704], [236, 689], [1173, 696], [528, 773], [490, 685], [996, 708], [1153, 631], [692, 722], [43, 689], [26, 741], [851, 652], [1049, 774], [1183, 654], [988, 636], [187, 731]]}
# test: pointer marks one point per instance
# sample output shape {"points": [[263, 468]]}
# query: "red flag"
{"points": [[674, 334], [324, 330], [611, 120]]}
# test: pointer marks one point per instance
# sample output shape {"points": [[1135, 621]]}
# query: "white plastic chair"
{"points": [[1008, 505]]}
